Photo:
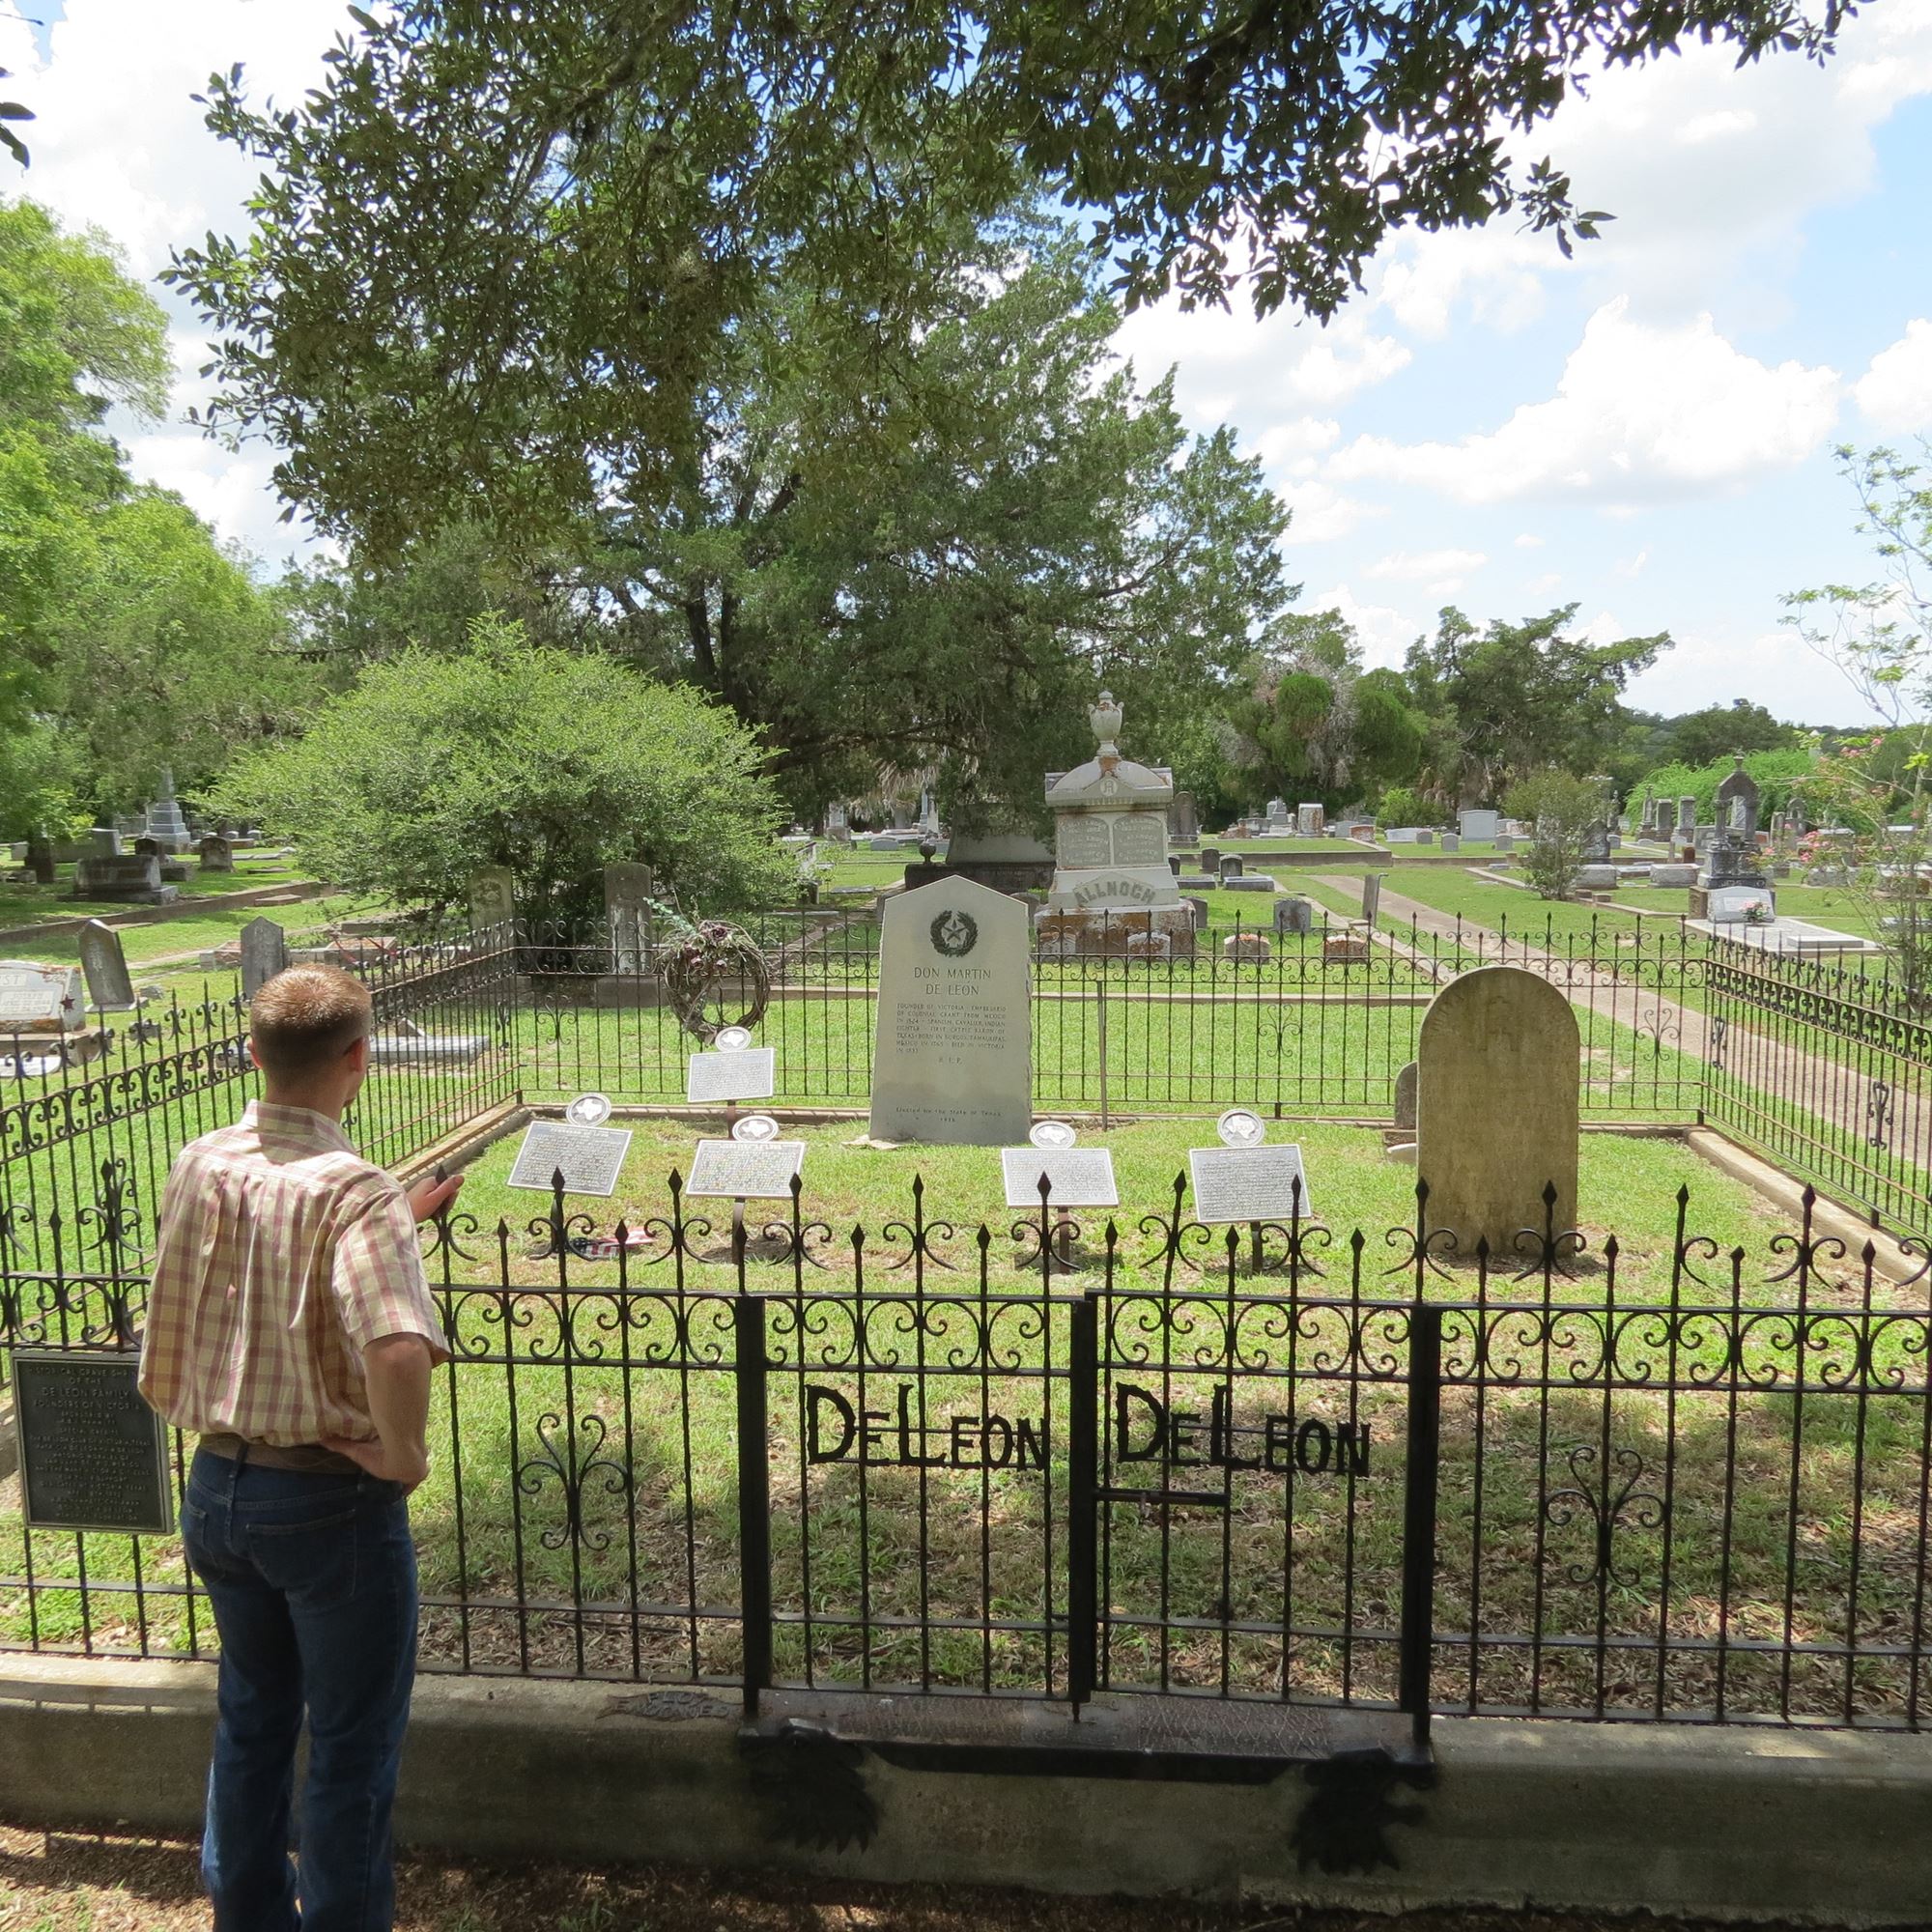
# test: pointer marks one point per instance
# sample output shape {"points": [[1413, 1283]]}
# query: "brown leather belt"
{"points": [[309, 1459]]}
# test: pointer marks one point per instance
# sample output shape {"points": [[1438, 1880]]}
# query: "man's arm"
{"points": [[395, 1369]]}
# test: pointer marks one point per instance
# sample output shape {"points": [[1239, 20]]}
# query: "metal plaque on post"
{"points": [[1247, 1183], [1081, 1177], [750, 1073], [590, 1157], [92, 1454], [745, 1170]]}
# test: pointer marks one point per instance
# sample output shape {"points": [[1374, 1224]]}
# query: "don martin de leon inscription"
{"points": [[92, 1454], [1145, 1429], [951, 1059]]}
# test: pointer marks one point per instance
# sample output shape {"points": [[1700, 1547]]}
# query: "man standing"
{"points": [[289, 1326]]}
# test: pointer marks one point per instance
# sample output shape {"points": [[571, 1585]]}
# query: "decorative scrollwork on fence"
{"points": [[1607, 1492]]}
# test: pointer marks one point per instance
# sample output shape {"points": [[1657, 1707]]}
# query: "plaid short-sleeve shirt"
{"points": [[283, 1254]]}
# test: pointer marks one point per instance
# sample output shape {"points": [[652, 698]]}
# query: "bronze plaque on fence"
{"points": [[92, 1454]]}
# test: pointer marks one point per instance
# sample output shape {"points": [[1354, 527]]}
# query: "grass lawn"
{"points": [[594, 1527]]}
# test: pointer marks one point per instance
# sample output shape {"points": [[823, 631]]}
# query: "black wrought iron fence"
{"points": [[1828, 1068], [1315, 1021], [1268, 1463]]}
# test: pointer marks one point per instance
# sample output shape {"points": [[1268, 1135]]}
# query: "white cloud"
{"points": [[1528, 541], [118, 143], [1641, 415], [1633, 566], [1542, 586], [1895, 393], [1322, 513], [1441, 573], [1384, 633], [1709, 168]]}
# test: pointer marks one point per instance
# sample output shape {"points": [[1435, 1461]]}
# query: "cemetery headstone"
{"points": [[493, 896], [627, 894], [41, 859], [1233, 865], [1404, 1095], [1200, 907], [39, 998], [104, 843], [1183, 826], [265, 952], [1345, 949], [1687, 819], [1210, 859], [1294, 914], [1308, 820], [1496, 1119], [105, 961], [952, 1058], [1254, 945], [1504, 842], [163, 822], [1452, 841], [133, 879], [1425, 835], [147, 848], [1477, 826], [1371, 897], [1673, 875], [1736, 800], [217, 855], [1733, 904]]}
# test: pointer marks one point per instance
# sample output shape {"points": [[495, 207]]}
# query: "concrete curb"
{"points": [[1741, 1823]]}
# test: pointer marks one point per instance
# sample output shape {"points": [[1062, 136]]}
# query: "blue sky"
{"points": [[1646, 431]]}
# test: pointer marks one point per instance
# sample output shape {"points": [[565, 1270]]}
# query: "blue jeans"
{"points": [[313, 1580]]}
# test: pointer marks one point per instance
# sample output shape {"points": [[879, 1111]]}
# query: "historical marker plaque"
{"points": [[747, 1073], [92, 1454], [1081, 1177], [1247, 1183], [591, 1157], [746, 1170]]}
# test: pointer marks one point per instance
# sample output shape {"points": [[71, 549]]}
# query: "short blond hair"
{"points": [[306, 1016]]}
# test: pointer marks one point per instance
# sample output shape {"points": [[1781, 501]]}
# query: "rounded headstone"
{"points": [[1496, 1118]]}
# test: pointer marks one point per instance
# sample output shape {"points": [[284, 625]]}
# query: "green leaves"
{"points": [[505, 754]]}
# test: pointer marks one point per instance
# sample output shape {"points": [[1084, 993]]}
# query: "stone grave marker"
{"points": [[265, 952], [1345, 949], [1210, 859], [109, 985], [1478, 825], [627, 895], [1248, 1184], [1733, 904], [132, 880], [92, 1454], [1496, 1119], [217, 854], [1505, 841], [1080, 1177], [590, 1158], [493, 896], [952, 1053], [39, 998], [1452, 841], [740, 1170], [1404, 1095], [1294, 914], [1425, 835], [1233, 865], [1371, 897], [1254, 946], [1199, 906]]}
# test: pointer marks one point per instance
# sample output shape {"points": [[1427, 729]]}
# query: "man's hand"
{"points": [[429, 1196], [405, 1467], [396, 1370]]}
